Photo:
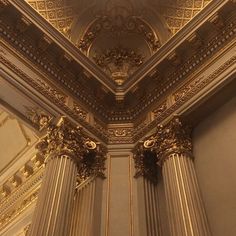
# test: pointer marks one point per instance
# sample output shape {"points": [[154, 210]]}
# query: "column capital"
{"points": [[145, 163], [66, 139], [173, 138]]}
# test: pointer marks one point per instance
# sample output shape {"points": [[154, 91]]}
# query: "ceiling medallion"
{"points": [[119, 62], [111, 41], [119, 26]]}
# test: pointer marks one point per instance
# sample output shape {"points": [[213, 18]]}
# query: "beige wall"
{"points": [[118, 201], [215, 161]]}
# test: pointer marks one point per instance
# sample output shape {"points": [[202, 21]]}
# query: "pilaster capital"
{"points": [[65, 139], [145, 162]]}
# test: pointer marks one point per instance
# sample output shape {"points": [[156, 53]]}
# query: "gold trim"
{"points": [[131, 197], [108, 195]]}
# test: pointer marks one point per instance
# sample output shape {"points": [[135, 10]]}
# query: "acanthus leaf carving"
{"points": [[66, 139], [146, 163]]}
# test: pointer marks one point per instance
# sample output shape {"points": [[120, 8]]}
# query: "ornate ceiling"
{"points": [[118, 35], [119, 63]]}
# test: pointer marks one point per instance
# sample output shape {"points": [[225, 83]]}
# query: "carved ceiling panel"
{"points": [[58, 12], [178, 13]]}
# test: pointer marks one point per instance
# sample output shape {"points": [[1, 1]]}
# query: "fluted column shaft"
{"points": [[149, 205], [53, 211], [173, 147], [83, 209], [67, 152], [185, 208]]}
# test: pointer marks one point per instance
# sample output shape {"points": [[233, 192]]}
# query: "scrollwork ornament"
{"points": [[38, 117], [90, 145], [149, 143]]}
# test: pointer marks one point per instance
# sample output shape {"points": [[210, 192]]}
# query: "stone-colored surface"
{"points": [[215, 160]]}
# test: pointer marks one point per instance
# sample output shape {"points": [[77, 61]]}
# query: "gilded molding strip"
{"points": [[131, 197], [32, 171], [108, 196], [25, 203], [20, 199]]}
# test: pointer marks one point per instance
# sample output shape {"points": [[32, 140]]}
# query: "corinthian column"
{"points": [[185, 208], [147, 183], [65, 149]]}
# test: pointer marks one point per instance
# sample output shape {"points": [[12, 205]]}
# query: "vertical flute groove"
{"points": [[151, 208], [83, 213], [52, 215], [186, 212]]}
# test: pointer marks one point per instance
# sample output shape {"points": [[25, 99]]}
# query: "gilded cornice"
{"points": [[56, 97], [174, 43], [184, 95], [181, 96]]}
